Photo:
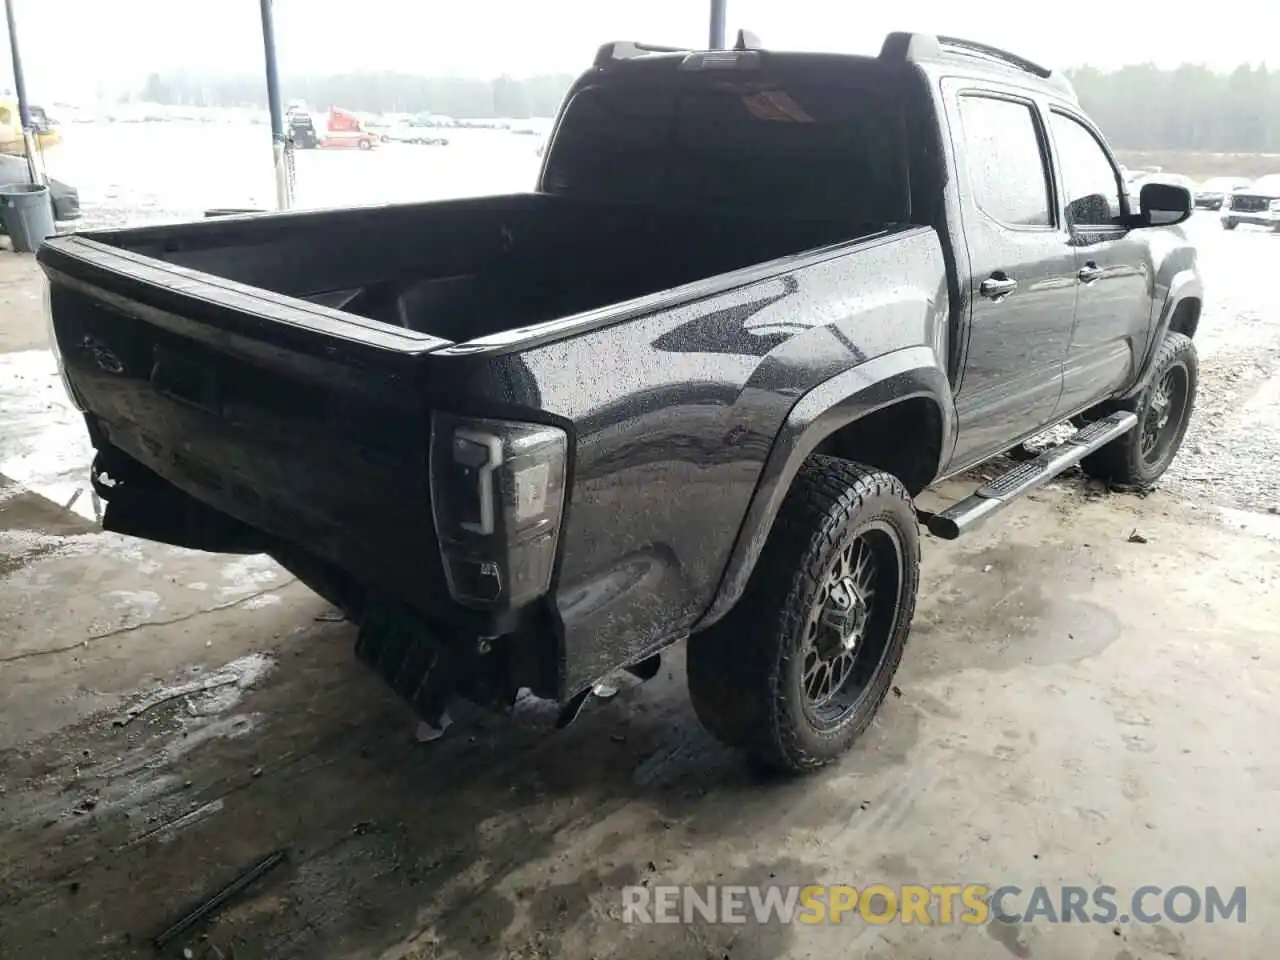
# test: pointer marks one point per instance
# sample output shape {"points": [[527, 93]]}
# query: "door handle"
{"points": [[1089, 272], [998, 286]]}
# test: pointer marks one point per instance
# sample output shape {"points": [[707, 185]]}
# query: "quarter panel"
{"points": [[675, 413]]}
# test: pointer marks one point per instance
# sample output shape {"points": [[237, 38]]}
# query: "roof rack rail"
{"points": [[995, 53], [912, 47], [630, 50]]}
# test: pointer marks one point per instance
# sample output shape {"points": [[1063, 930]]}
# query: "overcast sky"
{"points": [[72, 47]]}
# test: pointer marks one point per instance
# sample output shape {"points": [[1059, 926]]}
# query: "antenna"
{"points": [[747, 41]]}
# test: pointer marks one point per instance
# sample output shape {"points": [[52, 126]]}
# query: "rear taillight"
{"points": [[497, 495]]}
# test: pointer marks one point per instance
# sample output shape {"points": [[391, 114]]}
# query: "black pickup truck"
{"points": [[688, 388]]}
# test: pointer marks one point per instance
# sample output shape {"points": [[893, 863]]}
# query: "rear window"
{"points": [[806, 151]]}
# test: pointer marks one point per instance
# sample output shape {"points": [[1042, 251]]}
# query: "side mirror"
{"points": [[1164, 205]]}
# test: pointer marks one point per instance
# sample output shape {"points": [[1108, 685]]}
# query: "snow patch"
{"points": [[248, 575], [44, 447], [223, 728], [261, 601], [1256, 524], [141, 604]]}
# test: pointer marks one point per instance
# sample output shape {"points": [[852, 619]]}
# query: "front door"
{"points": [[1022, 273], [1114, 268]]}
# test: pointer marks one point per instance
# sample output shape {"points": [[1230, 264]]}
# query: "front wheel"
{"points": [[1164, 408], [797, 670], [1229, 224], [366, 144]]}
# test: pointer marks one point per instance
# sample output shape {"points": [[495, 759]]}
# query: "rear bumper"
{"points": [[174, 497]]}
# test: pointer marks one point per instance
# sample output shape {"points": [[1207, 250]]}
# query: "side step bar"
{"points": [[1025, 477]]}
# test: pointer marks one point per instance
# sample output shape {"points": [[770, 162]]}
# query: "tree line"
{"points": [[1138, 107], [1190, 108], [503, 97]]}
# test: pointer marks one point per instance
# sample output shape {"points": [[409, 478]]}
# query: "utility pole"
{"points": [[280, 148], [717, 24], [24, 111]]}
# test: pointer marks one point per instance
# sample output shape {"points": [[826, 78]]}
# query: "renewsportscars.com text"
{"points": [[971, 904]]}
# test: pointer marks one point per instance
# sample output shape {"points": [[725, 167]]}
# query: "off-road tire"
{"points": [[1121, 461], [1230, 224], [745, 671]]}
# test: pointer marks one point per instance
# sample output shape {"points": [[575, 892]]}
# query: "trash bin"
{"points": [[27, 212]]}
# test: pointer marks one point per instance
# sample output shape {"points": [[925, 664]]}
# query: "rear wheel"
{"points": [[1141, 456], [797, 670], [366, 144]]}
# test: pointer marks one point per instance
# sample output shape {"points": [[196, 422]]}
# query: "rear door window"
{"points": [[1005, 158]]}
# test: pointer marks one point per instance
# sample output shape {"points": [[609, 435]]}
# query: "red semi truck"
{"points": [[339, 130]]}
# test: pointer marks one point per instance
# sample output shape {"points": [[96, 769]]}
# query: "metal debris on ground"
{"points": [[604, 690], [1136, 537], [173, 693], [219, 899], [428, 732]]}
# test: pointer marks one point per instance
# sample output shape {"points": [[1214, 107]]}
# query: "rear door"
{"points": [[1022, 269], [1113, 267]]}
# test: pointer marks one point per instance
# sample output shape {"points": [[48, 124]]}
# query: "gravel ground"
{"points": [[1232, 452]]}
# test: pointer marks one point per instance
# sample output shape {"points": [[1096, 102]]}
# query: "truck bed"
{"points": [[283, 369], [472, 268]]}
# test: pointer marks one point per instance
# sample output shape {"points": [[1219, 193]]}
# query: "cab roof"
{"points": [[978, 60]]}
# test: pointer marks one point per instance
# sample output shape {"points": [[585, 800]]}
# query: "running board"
{"points": [[1025, 477]]}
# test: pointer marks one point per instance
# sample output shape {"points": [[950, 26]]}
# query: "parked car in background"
{"points": [[44, 128], [1258, 203], [1213, 193]]}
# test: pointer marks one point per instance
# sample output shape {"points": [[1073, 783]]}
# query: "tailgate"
{"points": [[298, 420]]}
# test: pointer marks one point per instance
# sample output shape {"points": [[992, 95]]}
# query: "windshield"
{"points": [[800, 151], [1268, 184]]}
